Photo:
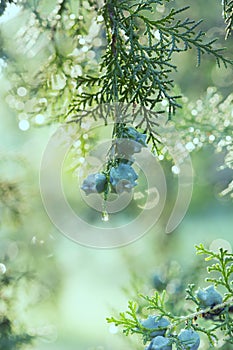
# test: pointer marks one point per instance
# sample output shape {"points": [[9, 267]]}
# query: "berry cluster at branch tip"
{"points": [[187, 339], [118, 175], [157, 327]]}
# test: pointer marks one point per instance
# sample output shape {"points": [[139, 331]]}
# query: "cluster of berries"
{"points": [[119, 175], [187, 338]]}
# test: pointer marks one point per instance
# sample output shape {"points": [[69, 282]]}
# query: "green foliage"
{"points": [[228, 14], [10, 201], [110, 61], [2, 7], [137, 65], [215, 321], [223, 267], [131, 60], [48, 39], [12, 191], [72, 61], [19, 288], [12, 332]]}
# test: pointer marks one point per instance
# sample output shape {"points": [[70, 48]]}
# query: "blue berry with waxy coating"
{"points": [[158, 282], [160, 343], [208, 297], [94, 183], [126, 148], [132, 133], [189, 339], [157, 324], [123, 178], [131, 142]]}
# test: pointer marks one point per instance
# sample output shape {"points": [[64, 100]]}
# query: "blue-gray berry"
{"points": [[160, 343], [158, 282], [131, 142], [189, 339], [125, 148], [157, 324], [94, 183], [123, 178], [132, 133], [208, 297]]}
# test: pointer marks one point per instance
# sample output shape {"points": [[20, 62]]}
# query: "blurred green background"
{"points": [[75, 287]]}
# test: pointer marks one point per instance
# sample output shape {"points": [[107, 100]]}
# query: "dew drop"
{"points": [[39, 118], [82, 41], [21, 91], [24, 125], [105, 216], [191, 129], [82, 160], [161, 157], [211, 138], [72, 16], [190, 146], [100, 18], [194, 112], [77, 144], [175, 169]]}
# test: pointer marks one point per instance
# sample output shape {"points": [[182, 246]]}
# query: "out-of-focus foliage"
{"points": [[23, 248], [208, 121], [13, 334], [10, 200], [12, 194], [52, 45]]}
